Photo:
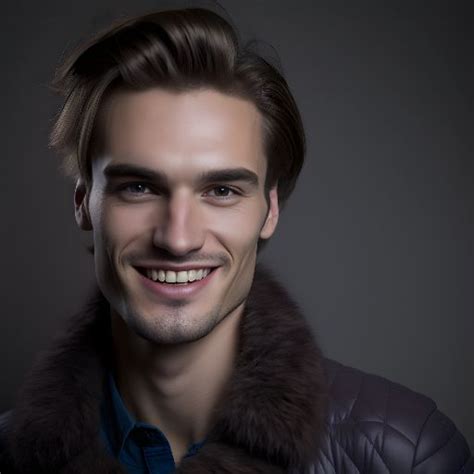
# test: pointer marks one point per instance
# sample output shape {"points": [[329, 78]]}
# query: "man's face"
{"points": [[180, 187]]}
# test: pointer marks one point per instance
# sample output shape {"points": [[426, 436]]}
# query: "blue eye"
{"points": [[135, 188], [223, 191]]}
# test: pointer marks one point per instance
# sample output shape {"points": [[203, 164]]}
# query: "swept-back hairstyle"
{"points": [[177, 50]]}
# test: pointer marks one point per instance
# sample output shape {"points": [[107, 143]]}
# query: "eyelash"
{"points": [[234, 192], [125, 187]]}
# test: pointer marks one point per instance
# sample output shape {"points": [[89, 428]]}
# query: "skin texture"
{"points": [[174, 355]]}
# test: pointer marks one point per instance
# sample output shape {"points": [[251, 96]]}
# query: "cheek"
{"points": [[119, 225], [237, 228]]}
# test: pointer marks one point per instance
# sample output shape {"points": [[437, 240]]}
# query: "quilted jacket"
{"points": [[287, 409]]}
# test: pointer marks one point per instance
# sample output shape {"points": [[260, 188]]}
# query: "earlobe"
{"points": [[271, 220], [81, 206]]}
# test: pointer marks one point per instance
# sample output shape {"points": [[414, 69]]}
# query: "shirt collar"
{"points": [[117, 422]]}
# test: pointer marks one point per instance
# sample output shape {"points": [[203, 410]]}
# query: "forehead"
{"points": [[181, 133]]}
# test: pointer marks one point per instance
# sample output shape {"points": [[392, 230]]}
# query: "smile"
{"points": [[176, 285], [172, 277]]}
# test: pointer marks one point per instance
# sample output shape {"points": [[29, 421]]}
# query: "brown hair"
{"points": [[178, 50]]}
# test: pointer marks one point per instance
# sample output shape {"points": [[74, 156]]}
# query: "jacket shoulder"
{"points": [[376, 425]]}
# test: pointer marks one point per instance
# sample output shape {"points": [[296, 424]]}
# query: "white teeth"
{"points": [[170, 277], [183, 276]]}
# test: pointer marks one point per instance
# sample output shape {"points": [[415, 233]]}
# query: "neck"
{"points": [[176, 387]]}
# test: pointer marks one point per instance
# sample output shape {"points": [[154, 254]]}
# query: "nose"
{"points": [[180, 229]]}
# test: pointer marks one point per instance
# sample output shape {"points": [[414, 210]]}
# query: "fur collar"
{"points": [[270, 422]]}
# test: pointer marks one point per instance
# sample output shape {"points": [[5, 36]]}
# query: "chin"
{"points": [[170, 325]]}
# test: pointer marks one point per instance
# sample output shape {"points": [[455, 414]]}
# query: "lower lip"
{"points": [[176, 290]]}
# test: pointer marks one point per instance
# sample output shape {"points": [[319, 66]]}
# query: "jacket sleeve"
{"points": [[441, 448], [376, 425]]}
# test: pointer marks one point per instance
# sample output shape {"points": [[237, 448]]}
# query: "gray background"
{"points": [[376, 244]]}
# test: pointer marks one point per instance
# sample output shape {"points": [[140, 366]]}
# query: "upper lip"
{"points": [[173, 267]]}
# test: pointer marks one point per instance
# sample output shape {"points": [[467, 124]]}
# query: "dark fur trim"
{"points": [[270, 420]]}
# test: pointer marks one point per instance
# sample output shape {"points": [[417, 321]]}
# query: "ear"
{"points": [[81, 206], [271, 220]]}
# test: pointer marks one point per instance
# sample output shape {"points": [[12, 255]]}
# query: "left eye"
{"points": [[222, 191]]}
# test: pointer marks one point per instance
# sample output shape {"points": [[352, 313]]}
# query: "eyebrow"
{"points": [[225, 175]]}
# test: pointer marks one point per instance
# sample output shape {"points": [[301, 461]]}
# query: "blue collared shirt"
{"points": [[140, 447]]}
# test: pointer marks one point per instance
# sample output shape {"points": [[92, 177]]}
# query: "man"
{"points": [[184, 147]]}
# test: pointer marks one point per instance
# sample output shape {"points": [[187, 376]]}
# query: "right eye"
{"points": [[135, 188]]}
